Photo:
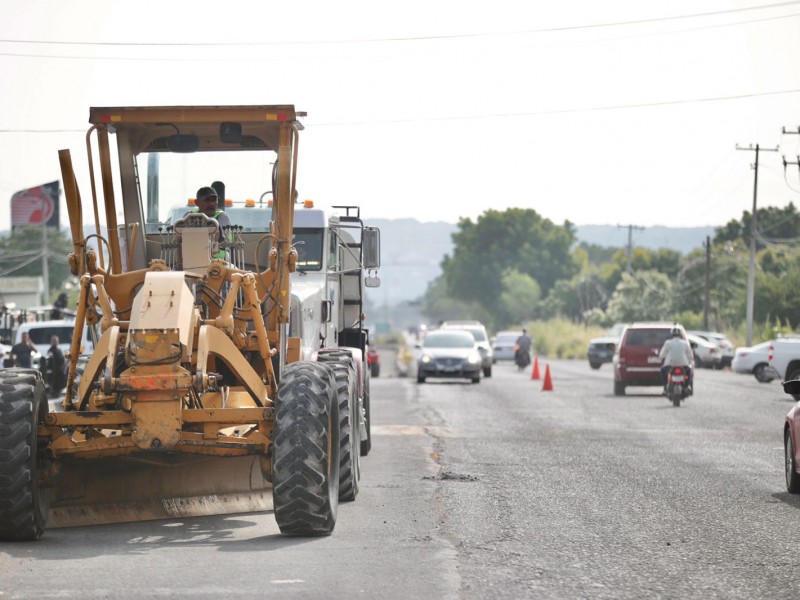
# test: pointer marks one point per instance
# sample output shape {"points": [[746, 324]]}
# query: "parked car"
{"points": [[754, 360], [503, 345], [450, 353], [601, 350], [636, 361], [725, 347], [374, 362], [706, 354], [478, 331]]}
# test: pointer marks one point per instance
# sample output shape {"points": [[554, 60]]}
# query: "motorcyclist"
{"points": [[522, 355], [676, 352]]}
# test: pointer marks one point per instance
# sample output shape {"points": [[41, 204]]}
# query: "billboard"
{"points": [[32, 206]]}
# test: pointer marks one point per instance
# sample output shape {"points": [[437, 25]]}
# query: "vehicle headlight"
{"points": [[474, 357], [425, 358]]}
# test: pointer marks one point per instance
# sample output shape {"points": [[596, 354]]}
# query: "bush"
{"points": [[561, 338]]}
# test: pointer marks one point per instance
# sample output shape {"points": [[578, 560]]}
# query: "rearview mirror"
{"points": [[372, 281], [371, 247], [183, 143]]}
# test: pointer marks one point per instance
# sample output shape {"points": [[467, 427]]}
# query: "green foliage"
{"points": [[439, 305], [20, 255], [772, 223], [561, 338], [519, 298], [644, 296], [517, 239]]}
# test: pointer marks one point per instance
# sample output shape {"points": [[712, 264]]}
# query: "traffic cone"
{"points": [[548, 382], [535, 373]]}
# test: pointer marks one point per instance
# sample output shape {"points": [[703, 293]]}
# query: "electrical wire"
{"points": [[420, 37]]}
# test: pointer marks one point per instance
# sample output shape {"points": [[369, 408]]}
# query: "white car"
{"points": [[706, 354], [755, 360], [478, 331], [724, 345], [503, 345]]}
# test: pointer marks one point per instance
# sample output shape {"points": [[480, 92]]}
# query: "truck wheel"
{"points": [[305, 451], [366, 444], [349, 441], [375, 369], [24, 501], [792, 478], [619, 388], [760, 373]]}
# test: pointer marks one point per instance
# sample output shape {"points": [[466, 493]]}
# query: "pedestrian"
{"points": [[59, 306], [55, 368], [22, 351]]}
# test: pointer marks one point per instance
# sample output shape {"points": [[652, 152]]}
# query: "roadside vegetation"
{"points": [[515, 268]]}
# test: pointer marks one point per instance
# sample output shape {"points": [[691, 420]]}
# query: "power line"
{"points": [[419, 37]]}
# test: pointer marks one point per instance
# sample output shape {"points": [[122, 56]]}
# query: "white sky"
{"points": [[437, 110]]}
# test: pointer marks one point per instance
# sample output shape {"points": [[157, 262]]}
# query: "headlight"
{"points": [[473, 358], [425, 358]]}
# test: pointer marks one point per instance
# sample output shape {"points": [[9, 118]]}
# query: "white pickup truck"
{"points": [[784, 358]]}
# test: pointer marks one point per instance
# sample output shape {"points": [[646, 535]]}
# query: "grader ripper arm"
{"points": [[191, 402]]}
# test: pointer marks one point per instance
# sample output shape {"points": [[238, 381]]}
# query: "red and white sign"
{"points": [[32, 206]]}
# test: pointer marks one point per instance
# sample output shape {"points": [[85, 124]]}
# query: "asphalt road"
{"points": [[494, 490]]}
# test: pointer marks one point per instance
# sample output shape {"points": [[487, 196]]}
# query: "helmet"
{"points": [[675, 332]]}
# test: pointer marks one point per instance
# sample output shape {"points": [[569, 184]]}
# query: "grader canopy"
{"points": [[194, 400]]}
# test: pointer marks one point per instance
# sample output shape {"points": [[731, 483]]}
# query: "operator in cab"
{"points": [[676, 352], [207, 202]]}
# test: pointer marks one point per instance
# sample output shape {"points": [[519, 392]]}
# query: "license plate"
{"points": [[653, 359], [677, 378], [448, 369]]}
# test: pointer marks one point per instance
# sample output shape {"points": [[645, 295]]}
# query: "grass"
{"points": [[561, 338]]}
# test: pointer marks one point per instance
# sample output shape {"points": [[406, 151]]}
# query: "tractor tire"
{"points": [[24, 500], [366, 444], [305, 451], [349, 440], [80, 367]]}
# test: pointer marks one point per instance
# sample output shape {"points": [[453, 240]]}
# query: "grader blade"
{"points": [[121, 490]]}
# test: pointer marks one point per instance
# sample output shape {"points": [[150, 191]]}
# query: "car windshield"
{"points": [[507, 338], [477, 333], [449, 340], [42, 335], [647, 337]]}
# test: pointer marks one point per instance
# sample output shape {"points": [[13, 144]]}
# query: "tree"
{"points": [[517, 239], [645, 296], [21, 255], [773, 223], [519, 298]]}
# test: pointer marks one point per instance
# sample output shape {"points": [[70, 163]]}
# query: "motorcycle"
{"points": [[522, 358], [678, 385]]}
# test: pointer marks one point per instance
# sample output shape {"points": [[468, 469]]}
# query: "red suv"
{"points": [[636, 361]]}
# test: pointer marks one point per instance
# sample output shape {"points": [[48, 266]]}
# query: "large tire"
{"points": [[349, 439], [794, 375], [375, 369], [619, 388], [366, 444], [24, 500], [305, 451], [792, 478]]}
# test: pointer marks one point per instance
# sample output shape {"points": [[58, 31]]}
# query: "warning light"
{"points": [[249, 203], [269, 202], [192, 202], [228, 202], [308, 203]]}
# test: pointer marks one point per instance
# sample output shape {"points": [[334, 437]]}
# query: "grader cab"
{"points": [[195, 400]]}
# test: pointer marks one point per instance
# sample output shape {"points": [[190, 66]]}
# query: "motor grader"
{"points": [[200, 397]]}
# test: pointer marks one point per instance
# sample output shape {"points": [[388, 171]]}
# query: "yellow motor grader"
{"points": [[199, 397]]}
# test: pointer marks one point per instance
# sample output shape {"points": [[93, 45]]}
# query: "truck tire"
{"points": [[349, 440], [24, 501], [760, 373], [366, 444], [375, 369], [305, 451]]}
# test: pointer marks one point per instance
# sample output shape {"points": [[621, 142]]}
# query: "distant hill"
{"points": [[682, 239]]}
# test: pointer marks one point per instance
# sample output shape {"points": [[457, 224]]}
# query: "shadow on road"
{"points": [[787, 498]]}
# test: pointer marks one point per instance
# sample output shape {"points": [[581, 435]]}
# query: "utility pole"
{"points": [[785, 162], [707, 298], [629, 251], [751, 272]]}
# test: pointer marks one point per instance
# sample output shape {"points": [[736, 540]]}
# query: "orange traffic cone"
{"points": [[535, 373], [548, 382]]}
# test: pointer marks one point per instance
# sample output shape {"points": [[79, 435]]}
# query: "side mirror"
{"points": [[371, 247], [326, 311], [183, 143], [372, 281], [792, 386]]}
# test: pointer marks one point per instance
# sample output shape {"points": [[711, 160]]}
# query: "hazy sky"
{"points": [[616, 112]]}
